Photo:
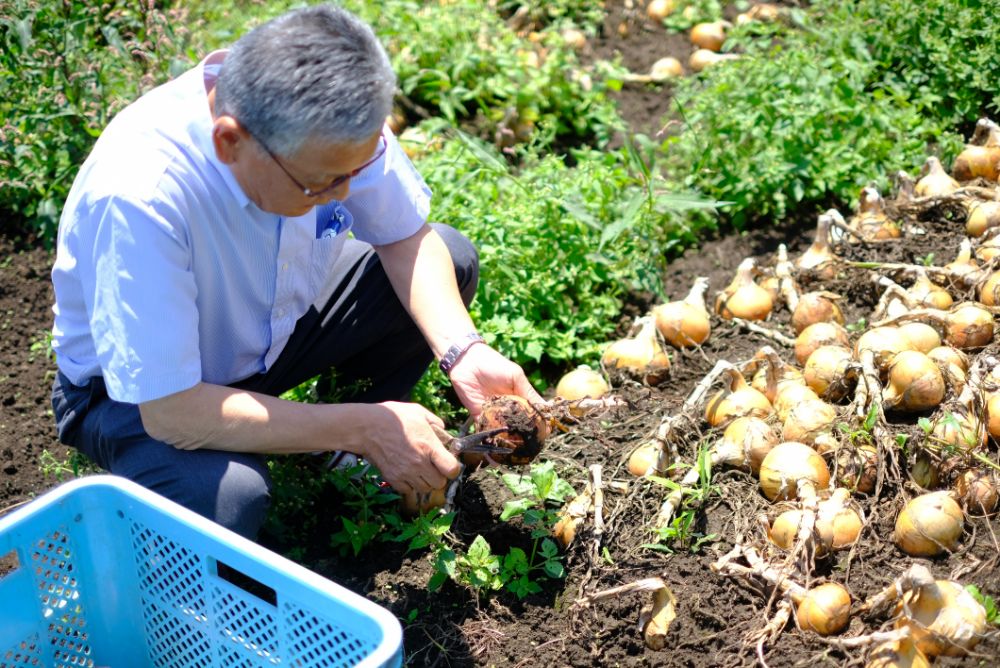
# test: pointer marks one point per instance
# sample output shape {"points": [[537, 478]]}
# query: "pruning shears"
{"points": [[479, 442]]}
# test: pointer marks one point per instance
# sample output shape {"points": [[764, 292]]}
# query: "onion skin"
{"points": [[753, 436], [791, 467], [825, 371], [978, 491], [657, 10], [791, 395], [818, 335], [737, 401], [702, 59], [825, 609], [666, 68], [526, 428], [924, 471], [899, 654], [929, 525], [936, 182], [915, 383], [685, 323], [818, 257], [857, 469], [837, 525], [948, 355], [582, 383], [989, 293], [642, 461], [926, 293], [982, 216], [871, 222], [963, 431], [815, 307], [807, 420], [921, 336], [884, 342], [993, 415], [709, 36], [970, 326], [743, 298], [640, 357], [944, 619], [981, 156]]}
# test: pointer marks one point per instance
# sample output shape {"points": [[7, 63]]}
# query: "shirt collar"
{"points": [[201, 127]]}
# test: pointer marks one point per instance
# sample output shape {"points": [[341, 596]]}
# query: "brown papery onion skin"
{"points": [[818, 335], [825, 609], [981, 156], [970, 326], [944, 619], [982, 216], [743, 298], [978, 491], [857, 469], [826, 369], [789, 396], [808, 420], [929, 525], [816, 307], [685, 323], [788, 468], [640, 357], [898, 654], [580, 383], [788, 375], [989, 292], [936, 182], [915, 383], [643, 459], [948, 355]]}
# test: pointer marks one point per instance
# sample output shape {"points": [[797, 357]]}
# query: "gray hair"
{"points": [[317, 73]]}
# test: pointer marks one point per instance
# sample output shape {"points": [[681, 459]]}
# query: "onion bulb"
{"points": [[413, 503], [685, 323], [818, 335], [710, 35], [884, 343], [640, 357], [949, 355], [935, 182], [960, 430], [837, 525], [988, 249], [574, 38], [792, 470], [764, 12], [581, 383], [808, 421], [819, 257], [926, 293], [857, 469], [924, 471], [978, 491], [969, 326], [989, 292], [525, 428], [702, 59], [922, 337], [816, 307], [993, 415], [825, 609], [929, 525], [657, 10], [666, 68], [775, 374], [944, 619], [790, 395], [982, 215], [642, 461], [751, 436], [964, 263], [826, 371], [572, 516], [981, 155], [738, 400], [871, 222], [898, 654], [744, 298], [914, 383]]}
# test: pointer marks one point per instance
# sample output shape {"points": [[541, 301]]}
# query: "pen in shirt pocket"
{"points": [[334, 226]]}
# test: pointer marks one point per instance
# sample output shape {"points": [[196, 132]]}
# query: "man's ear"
{"points": [[228, 137]]}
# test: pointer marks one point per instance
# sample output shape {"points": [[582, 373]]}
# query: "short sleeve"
{"points": [[140, 295], [389, 200]]}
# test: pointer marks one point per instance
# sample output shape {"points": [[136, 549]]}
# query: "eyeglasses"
{"points": [[336, 182]]}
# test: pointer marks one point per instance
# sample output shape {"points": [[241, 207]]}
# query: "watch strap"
{"points": [[456, 350]]}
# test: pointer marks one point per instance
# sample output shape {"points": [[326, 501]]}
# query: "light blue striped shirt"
{"points": [[166, 274]]}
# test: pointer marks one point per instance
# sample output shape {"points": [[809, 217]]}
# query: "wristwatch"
{"points": [[457, 349]]}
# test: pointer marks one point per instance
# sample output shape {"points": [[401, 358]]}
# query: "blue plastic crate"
{"points": [[102, 572]]}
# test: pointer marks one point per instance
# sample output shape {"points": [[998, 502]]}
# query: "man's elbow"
{"points": [[163, 418]]}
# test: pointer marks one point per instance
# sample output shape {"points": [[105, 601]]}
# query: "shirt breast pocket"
{"points": [[325, 252]]}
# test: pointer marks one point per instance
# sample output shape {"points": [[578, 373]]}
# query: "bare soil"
{"points": [[717, 614]]}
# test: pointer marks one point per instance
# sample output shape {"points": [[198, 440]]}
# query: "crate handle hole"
{"points": [[9, 563], [248, 584]]}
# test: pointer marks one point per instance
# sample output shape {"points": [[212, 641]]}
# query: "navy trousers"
{"points": [[357, 327]]}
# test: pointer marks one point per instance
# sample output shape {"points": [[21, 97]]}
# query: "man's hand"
{"points": [[405, 449], [482, 373]]}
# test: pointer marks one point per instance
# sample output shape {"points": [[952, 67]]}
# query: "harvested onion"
{"points": [[818, 335], [738, 400], [710, 35], [814, 307], [871, 222], [898, 654], [685, 323], [642, 461], [929, 525], [981, 156], [792, 470], [657, 10], [640, 357], [702, 59], [982, 216], [811, 422], [825, 609], [751, 436], [744, 298], [926, 293], [915, 382], [525, 428], [884, 343], [922, 337], [943, 618], [935, 181], [826, 371], [581, 383], [819, 257], [837, 525], [978, 491], [857, 469]]}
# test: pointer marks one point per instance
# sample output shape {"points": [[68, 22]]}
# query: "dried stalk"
{"points": [[786, 284], [764, 331]]}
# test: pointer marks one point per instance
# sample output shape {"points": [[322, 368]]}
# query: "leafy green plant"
{"points": [[990, 605], [366, 508], [680, 533], [73, 465]]}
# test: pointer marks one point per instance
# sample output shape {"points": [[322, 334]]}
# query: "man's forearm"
{"points": [[222, 418], [423, 276]]}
